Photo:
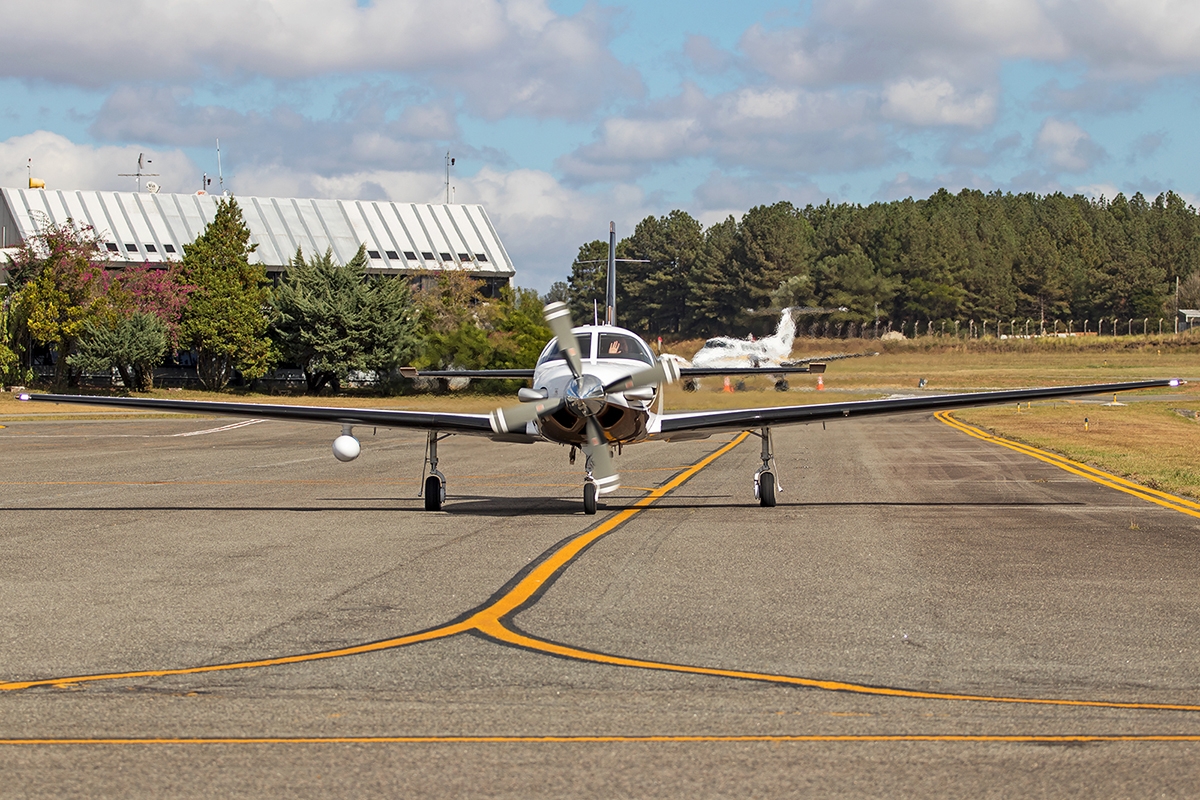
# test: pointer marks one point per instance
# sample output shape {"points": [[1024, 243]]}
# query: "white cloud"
{"points": [[1097, 190], [1066, 146], [769, 129], [503, 56], [65, 165], [934, 101], [768, 104], [854, 40]]}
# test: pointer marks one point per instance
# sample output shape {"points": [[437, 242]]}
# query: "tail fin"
{"points": [[610, 296], [785, 332]]}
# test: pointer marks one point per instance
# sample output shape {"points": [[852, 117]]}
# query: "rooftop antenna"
{"points": [[449, 164], [220, 176], [141, 173], [205, 182]]}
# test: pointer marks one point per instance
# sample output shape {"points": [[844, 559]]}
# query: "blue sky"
{"points": [[565, 114]]}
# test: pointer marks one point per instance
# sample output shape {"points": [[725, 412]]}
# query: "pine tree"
{"points": [[225, 320]]}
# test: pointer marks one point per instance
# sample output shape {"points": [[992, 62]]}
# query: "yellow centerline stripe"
{"points": [[371, 647], [1180, 504], [600, 739], [497, 630], [503, 605]]}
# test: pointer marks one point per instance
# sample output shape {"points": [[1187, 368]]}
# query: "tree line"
{"points": [[947, 258], [217, 309]]}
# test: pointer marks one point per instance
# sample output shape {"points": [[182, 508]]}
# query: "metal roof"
{"points": [[142, 227]]}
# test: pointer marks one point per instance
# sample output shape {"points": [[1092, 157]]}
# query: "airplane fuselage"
{"points": [[608, 353]]}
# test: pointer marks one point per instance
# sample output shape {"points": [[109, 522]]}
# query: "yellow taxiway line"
{"points": [[494, 619], [1180, 504]]}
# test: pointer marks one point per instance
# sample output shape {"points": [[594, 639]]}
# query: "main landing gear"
{"points": [[765, 485], [435, 485]]}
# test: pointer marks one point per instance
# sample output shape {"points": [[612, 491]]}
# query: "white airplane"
{"points": [[595, 388], [726, 351]]}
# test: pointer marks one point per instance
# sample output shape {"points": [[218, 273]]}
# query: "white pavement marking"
{"points": [[241, 424]]}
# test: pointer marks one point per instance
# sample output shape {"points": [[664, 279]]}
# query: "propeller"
{"points": [[585, 396]]}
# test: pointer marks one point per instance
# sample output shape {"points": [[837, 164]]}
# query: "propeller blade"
{"points": [[665, 371], [603, 472], [514, 418], [558, 317]]}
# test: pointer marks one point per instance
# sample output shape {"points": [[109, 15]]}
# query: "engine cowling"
{"points": [[346, 448]]}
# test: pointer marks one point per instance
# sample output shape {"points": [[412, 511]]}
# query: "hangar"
{"points": [[411, 239]]}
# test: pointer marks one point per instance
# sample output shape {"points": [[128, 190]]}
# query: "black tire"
{"points": [[766, 490], [433, 493], [589, 498]]}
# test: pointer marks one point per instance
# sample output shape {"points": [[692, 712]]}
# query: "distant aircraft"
{"points": [[726, 351], [770, 351], [595, 388]]}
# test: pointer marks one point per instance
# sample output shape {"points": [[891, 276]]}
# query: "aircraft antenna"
{"points": [[610, 296]]}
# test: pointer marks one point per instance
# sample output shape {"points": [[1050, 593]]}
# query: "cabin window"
{"points": [[623, 345]]}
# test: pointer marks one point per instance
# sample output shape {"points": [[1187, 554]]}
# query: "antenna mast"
{"points": [[220, 177], [449, 164], [142, 162]]}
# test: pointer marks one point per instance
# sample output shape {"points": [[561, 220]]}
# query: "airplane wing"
{"points": [[478, 424], [701, 372], [503, 374], [683, 423]]}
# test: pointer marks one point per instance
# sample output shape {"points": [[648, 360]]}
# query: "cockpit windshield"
{"points": [[610, 345], [622, 345], [553, 353]]}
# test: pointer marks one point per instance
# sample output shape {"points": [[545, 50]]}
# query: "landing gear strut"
{"points": [[589, 488], [435, 485], [764, 480]]}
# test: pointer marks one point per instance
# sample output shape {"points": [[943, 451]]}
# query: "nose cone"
{"points": [[585, 395]]}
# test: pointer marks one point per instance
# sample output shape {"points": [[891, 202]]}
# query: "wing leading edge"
{"points": [[477, 424], [745, 418]]}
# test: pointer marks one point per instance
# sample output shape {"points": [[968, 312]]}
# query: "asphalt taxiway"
{"points": [[198, 607]]}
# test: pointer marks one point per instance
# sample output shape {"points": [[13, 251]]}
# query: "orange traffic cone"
{"points": [[820, 383], [728, 388]]}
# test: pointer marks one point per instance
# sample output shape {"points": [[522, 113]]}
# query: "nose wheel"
{"points": [[589, 498]]}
